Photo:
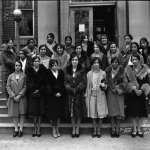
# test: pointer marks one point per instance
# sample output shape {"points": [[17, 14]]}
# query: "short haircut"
{"points": [[68, 37], [114, 59], [43, 45], [145, 40], [60, 45], [129, 35], [137, 45], [52, 62], [94, 59], [35, 57], [135, 55], [51, 35]]}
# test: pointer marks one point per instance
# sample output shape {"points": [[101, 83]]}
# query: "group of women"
{"points": [[89, 80]]}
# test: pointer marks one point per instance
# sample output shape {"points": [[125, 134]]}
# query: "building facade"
{"points": [[75, 17]]}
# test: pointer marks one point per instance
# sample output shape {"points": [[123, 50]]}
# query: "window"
{"points": [[26, 27]]}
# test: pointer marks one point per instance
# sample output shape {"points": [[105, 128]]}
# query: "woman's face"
{"points": [[134, 48], [127, 40], [55, 67], [31, 44], [113, 48], [135, 61], [36, 63], [74, 61], [115, 64], [104, 39], [96, 48], [78, 49], [96, 65], [21, 54], [68, 41], [143, 44], [10, 44], [17, 67], [60, 50], [50, 39], [43, 51]]}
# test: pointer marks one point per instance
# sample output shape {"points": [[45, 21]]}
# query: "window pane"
{"points": [[81, 17], [26, 24], [25, 4]]}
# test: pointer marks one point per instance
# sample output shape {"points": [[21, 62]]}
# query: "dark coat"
{"points": [[36, 81], [55, 105], [75, 87]]}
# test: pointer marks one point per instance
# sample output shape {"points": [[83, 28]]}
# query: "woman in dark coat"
{"points": [[55, 95], [75, 82], [35, 91], [137, 79]]}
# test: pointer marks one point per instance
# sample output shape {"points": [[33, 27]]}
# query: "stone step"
{"points": [[3, 109], [66, 128], [3, 101]]}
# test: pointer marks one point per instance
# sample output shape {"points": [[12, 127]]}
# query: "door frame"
{"points": [[89, 6]]}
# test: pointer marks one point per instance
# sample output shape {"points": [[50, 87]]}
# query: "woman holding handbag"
{"points": [[95, 96]]}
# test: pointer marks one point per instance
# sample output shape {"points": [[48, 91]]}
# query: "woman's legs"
{"points": [[73, 126], [16, 121], [139, 123], [21, 123], [54, 128], [34, 126], [113, 126], [39, 126], [134, 124], [99, 127], [57, 128], [117, 127], [94, 127], [78, 120]]}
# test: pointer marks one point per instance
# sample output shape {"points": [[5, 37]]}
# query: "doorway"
{"points": [[104, 21], [94, 19]]}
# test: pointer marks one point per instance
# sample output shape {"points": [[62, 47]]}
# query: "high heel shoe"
{"points": [[140, 134], [54, 133], [77, 134], [73, 132], [20, 134], [133, 134], [15, 133], [57, 131], [99, 133]]}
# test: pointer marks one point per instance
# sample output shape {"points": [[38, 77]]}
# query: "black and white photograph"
{"points": [[74, 75]]}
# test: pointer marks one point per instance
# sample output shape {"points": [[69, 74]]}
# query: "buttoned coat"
{"points": [[16, 87]]}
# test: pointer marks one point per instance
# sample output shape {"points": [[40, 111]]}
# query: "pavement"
{"points": [[66, 142]]}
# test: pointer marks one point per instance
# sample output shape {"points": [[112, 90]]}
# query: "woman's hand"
{"points": [[58, 95], [17, 98], [36, 91], [138, 92]]}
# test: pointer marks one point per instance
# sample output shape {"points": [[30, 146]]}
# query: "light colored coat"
{"points": [[96, 108], [15, 88]]}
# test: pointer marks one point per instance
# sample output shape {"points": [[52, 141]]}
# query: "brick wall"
{"points": [[8, 21]]}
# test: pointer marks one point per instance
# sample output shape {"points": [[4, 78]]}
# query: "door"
{"points": [[81, 22], [104, 21]]}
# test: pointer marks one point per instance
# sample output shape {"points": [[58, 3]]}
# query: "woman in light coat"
{"points": [[16, 87], [95, 96]]}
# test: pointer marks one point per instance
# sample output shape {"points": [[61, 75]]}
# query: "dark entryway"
{"points": [[104, 21]]}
